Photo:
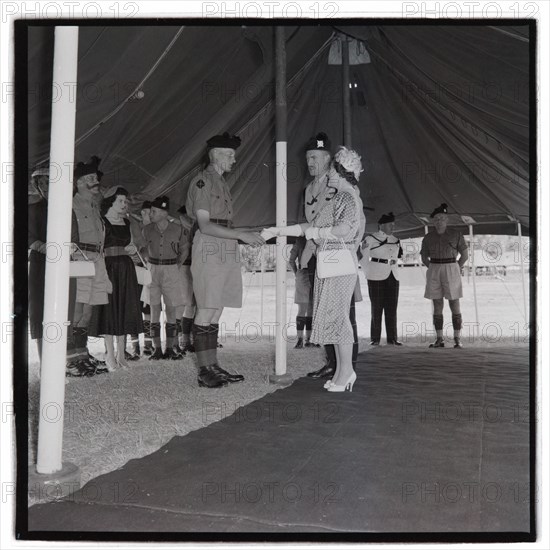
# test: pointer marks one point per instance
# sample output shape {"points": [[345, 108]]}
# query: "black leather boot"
{"points": [[325, 371], [209, 377]]}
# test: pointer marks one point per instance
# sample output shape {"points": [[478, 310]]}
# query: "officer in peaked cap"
{"points": [[443, 280], [215, 264], [381, 251]]}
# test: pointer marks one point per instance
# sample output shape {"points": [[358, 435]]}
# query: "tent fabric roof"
{"points": [[441, 114]]}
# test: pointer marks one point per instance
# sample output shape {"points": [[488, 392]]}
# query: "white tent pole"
{"points": [[473, 263], [56, 296], [281, 206], [262, 271], [521, 259]]}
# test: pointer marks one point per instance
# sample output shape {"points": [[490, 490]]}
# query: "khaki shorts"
{"points": [[94, 290], [186, 280], [443, 281], [166, 283], [216, 270]]}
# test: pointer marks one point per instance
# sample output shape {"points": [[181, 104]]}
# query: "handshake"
{"points": [[298, 230]]}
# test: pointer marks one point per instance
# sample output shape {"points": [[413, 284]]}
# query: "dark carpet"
{"points": [[429, 441]]}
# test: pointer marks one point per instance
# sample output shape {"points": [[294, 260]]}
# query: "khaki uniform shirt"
{"points": [[209, 191], [445, 246], [90, 224], [164, 245]]}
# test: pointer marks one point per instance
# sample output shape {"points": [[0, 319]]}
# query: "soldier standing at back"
{"points": [[380, 253], [443, 279], [165, 240], [215, 265]]}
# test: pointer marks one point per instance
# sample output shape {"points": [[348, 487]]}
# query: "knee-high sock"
{"points": [[213, 343], [155, 335], [201, 335], [80, 339], [300, 324], [308, 321], [171, 333], [438, 322], [457, 321], [186, 325]]}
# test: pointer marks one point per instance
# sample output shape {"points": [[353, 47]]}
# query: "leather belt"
{"points": [[115, 251], [89, 247], [442, 260], [383, 261], [154, 261], [187, 262]]}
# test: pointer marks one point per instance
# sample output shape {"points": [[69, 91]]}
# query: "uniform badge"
{"points": [[200, 184]]}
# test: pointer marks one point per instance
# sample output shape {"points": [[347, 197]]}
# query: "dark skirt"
{"points": [[122, 315]]}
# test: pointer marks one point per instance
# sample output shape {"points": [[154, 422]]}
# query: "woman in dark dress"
{"points": [[122, 315]]}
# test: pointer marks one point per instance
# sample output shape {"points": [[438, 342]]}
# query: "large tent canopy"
{"points": [[440, 114]]}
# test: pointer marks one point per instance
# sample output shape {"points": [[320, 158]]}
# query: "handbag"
{"points": [[81, 268], [335, 262], [143, 274]]}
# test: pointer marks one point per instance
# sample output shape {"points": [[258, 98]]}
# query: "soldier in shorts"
{"points": [[164, 241], [215, 264], [443, 279]]}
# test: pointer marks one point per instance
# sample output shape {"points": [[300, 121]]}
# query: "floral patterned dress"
{"points": [[332, 296]]}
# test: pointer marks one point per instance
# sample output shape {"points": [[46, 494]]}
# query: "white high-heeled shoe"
{"points": [[328, 384], [348, 385]]}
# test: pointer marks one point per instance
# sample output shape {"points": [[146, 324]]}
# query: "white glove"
{"points": [[289, 230], [269, 233], [319, 233]]}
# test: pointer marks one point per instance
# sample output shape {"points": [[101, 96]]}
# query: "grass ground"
{"points": [[113, 418]]}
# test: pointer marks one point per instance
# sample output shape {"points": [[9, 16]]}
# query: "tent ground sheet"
{"points": [[430, 440]]}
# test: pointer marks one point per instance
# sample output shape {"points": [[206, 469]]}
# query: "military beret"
{"points": [[161, 202], [319, 142], [146, 205], [91, 167], [386, 218], [225, 140], [441, 209]]}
